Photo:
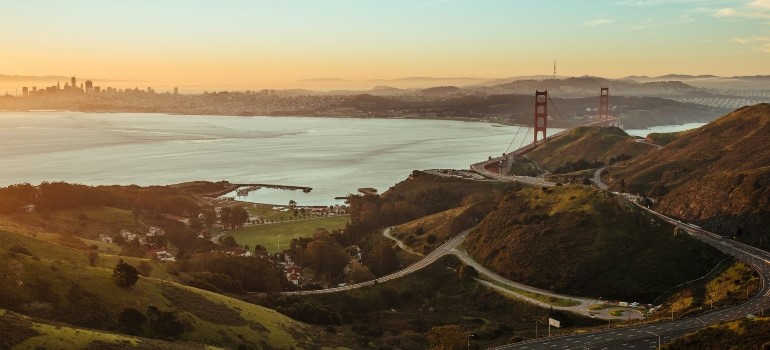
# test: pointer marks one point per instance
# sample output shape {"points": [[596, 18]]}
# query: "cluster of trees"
{"points": [[222, 272], [420, 195], [154, 324], [233, 217], [62, 195], [15, 196]]}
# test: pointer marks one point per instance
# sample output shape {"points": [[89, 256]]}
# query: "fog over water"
{"points": [[335, 156]]}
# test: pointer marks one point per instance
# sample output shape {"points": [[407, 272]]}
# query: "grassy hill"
{"points": [[587, 144], [585, 242], [740, 334], [54, 282], [398, 314], [21, 332], [427, 233], [716, 176]]}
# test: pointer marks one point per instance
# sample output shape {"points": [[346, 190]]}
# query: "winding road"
{"points": [[651, 336]]}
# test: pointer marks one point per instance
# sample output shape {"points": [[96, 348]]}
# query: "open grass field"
{"points": [[267, 235]]}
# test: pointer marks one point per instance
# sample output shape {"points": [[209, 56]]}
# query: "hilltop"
{"points": [[584, 148], [716, 176], [586, 242]]}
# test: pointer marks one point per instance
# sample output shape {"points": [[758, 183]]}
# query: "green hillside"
{"points": [[21, 332], [53, 282], [717, 176], [585, 242]]}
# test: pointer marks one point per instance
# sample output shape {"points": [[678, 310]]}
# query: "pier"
{"points": [[280, 187]]}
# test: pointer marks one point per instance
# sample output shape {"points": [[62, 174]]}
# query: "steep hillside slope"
{"points": [[587, 147], [740, 334], [717, 176], [585, 242]]}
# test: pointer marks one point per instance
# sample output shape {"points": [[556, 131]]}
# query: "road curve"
{"points": [[647, 336], [442, 250]]}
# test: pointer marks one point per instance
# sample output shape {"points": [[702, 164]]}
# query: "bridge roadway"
{"points": [[647, 336]]}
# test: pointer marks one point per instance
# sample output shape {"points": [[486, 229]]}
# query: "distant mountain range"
{"points": [[755, 82]]}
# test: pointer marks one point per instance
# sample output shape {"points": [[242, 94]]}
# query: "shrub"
{"points": [[124, 274], [20, 250]]}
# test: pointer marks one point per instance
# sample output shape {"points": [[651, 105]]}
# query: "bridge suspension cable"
{"points": [[521, 125]]}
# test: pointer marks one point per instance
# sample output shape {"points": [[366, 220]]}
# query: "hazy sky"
{"points": [[276, 43]]}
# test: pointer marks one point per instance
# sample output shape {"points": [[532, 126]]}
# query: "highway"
{"points": [[647, 336]]}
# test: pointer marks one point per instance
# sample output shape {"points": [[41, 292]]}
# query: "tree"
{"points": [[124, 274], [131, 321], [239, 217], [326, 258], [359, 273], [450, 337], [226, 217], [163, 324], [93, 256], [292, 204], [382, 259], [230, 242], [467, 272]]}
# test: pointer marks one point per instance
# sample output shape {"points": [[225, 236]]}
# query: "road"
{"points": [[582, 306], [442, 250], [646, 336], [641, 337]]}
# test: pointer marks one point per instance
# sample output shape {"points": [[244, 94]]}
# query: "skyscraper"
{"points": [[73, 82], [89, 86]]}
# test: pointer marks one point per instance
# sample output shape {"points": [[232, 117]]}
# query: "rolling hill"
{"points": [[73, 304], [585, 242], [717, 176]]}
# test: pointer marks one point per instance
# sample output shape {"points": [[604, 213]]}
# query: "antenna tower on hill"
{"points": [[554, 69]]}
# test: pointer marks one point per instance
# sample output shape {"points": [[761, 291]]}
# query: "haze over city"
{"points": [[266, 44]]}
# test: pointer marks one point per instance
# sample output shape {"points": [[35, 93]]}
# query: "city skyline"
{"points": [[265, 44]]}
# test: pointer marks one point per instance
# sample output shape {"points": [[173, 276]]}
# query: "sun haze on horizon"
{"points": [[263, 44]]}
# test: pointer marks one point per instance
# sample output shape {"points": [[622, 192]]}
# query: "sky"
{"points": [[264, 44]]}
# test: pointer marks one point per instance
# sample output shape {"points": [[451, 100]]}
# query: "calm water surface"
{"points": [[335, 156]]}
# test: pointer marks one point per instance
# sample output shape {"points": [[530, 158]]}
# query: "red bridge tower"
{"points": [[541, 113], [604, 104]]}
